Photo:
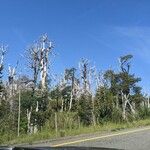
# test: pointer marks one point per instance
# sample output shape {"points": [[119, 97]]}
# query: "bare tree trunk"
{"points": [[11, 85], [93, 110], [38, 60], [29, 120], [70, 104], [56, 126], [117, 102], [62, 104], [45, 50], [124, 110], [2, 53], [35, 126], [125, 101], [42, 68], [148, 104]]}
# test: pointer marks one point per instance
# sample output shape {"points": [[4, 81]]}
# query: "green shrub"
{"points": [[62, 133], [116, 116], [144, 113]]}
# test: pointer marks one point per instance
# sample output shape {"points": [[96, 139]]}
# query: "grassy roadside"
{"points": [[51, 134]]}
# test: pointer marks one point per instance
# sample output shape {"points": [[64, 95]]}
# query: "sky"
{"points": [[99, 30]]}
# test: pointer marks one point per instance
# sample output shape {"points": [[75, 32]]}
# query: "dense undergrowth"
{"points": [[70, 129]]}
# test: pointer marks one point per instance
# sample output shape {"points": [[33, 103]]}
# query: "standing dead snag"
{"points": [[12, 87], [36, 110], [45, 50], [70, 76], [93, 80], [69, 89], [38, 56], [61, 87], [125, 101], [127, 82], [33, 62], [11, 78], [84, 70], [88, 76], [12, 83], [2, 53], [148, 104], [38, 60], [29, 120]]}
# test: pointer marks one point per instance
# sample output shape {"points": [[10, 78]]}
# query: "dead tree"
{"points": [[89, 77], [61, 86], [11, 79], [84, 71], [125, 101], [29, 130], [2, 53], [36, 110], [88, 80], [70, 77], [38, 56], [12, 86], [30, 127], [148, 104], [77, 88], [33, 63], [45, 50], [125, 90], [38, 60]]}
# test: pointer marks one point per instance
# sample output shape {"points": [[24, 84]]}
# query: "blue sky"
{"points": [[100, 30]]}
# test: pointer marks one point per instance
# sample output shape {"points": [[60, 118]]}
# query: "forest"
{"points": [[79, 97]]}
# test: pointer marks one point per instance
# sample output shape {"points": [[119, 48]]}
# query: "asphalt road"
{"points": [[133, 139]]}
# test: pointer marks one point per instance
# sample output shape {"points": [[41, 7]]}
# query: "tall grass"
{"points": [[46, 133]]}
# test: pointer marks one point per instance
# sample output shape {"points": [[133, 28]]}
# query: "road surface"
{"points": [[133, 139]]}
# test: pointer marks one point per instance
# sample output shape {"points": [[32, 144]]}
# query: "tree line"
{"points": [[80, 96]]}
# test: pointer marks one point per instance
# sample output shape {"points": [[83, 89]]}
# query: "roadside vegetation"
{"points": [[81, 100], [47, 134]]}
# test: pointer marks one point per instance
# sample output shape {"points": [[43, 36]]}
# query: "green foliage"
{"points": [[116, 116], [6, 117], [144, 113], [103, 104], [85, 109], [53, 113]]}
